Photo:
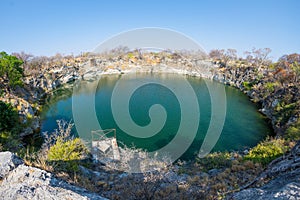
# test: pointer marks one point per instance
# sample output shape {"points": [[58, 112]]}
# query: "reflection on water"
{"points": [[244, 126]]}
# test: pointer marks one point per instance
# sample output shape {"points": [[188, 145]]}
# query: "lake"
{"points": [[243, 126]]}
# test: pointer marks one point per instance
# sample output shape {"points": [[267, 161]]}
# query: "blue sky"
{"points": [[47, 27]]}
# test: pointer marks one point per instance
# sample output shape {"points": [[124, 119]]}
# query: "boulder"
{"points": [[288, 191], [8, 162], [23, 182], [68, 79]]}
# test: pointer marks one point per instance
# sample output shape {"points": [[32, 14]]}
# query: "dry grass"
{"points": [[135, 160], [233, 172], [37, 159]]}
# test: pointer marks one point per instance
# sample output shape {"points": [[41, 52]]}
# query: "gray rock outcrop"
{"points": [[18, 181], [284, 173], [8, 162], [283, 187]]}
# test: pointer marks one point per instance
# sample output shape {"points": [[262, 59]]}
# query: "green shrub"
{"points": [[267, 151], [272, 66], [10, 141], [296, 68], [8, 117], [1, 93], [247, 85], [9, 127], [130, 55], [284, 111], [293, 132], [68, 153], [270, 86], [10, 69], [215, 160]]}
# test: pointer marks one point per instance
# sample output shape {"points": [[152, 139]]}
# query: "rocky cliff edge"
{"points": [[18, 181]]}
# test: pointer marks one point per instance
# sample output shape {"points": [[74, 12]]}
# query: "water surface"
{"points": [[244, 127]]}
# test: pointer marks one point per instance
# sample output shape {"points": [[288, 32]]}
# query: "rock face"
{"points": [[277, 96], [273, 191], [285, 185], [8, 162], [19, 181]]}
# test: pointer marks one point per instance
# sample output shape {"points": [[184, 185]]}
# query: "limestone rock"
{"points": [[288, 191], [23, 182], [285, 185], [8, 162]]}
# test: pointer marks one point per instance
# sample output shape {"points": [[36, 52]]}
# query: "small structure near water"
{"points": [[104, 148]]}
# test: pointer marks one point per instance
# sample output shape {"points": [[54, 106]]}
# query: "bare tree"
{"points": [[290, 58], [229, 54], [216, 54], [35, 65], [249, 57], [262, 55], [120, 50], [25, 57], [258, 56], [223, 55]]}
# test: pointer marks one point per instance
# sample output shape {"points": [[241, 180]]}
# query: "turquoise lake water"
{"points": [[244, 126]]}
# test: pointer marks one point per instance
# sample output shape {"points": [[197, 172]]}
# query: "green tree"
{"points": [[8, 117], [267, 151], [10, 69], [9, 127]]}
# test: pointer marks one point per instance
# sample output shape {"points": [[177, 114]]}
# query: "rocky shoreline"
{"points": [[42, 84], [250, 79], [29, 100]]}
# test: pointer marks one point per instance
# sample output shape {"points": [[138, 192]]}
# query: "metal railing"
{"points": [[102, 134]]}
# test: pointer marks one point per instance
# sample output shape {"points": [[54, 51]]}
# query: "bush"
{"points": [[284, 111], [62, 150], [8, 117], [10, 69], [267, 151], [215, 160], [293, 132], [270, 87], [9, 127], [67, 153], [130, 55], [247, 85]]}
